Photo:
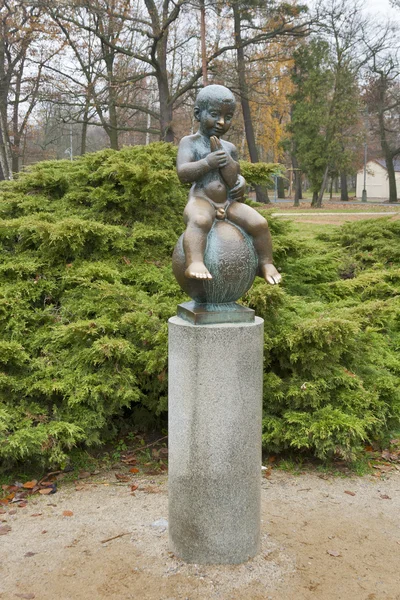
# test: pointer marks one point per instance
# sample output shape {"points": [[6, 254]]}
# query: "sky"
{"points": [[381, 7]]}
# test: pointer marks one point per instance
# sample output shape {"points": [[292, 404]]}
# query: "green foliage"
{"points": [[260, 173], [324, 108], [87, 289]]}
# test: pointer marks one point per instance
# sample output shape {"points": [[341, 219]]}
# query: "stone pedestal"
{"points": [[215, 412]]}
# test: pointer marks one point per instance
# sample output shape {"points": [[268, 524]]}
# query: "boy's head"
{"points": [[214, 108]]}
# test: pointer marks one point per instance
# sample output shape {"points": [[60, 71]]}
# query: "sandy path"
{"points": [[333, 218], [318, 542]]}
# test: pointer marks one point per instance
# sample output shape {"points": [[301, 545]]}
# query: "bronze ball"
{"points": [[231, 259]]}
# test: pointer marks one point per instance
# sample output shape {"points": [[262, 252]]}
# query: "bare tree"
{"points": [[249, 25], [383, 100], [21, 29]]}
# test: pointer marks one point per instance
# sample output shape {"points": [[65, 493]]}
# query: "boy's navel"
{"points": [[216, 191]]}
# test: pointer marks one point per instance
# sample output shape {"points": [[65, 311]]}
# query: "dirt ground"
{"points": [[323, 538]]}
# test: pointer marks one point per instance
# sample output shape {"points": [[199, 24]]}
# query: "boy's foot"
{"points": [[198, 270], [270, 274]]}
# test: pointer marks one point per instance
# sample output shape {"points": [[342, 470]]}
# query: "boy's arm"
{"points": [[230, 170], [190, 170]]}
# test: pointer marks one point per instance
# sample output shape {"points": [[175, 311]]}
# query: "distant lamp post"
{"points": [[364, 192]]}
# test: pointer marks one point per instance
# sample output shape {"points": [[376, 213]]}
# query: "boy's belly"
{"points": [[216, 191]]}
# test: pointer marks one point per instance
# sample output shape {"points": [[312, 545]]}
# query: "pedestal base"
{"points": [[215, 412], [207, 314]]}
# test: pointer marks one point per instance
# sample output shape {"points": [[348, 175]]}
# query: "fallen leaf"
{"points": [[29, 596], [12, 512], [46, 491], [129, 460], [22, 504], [29, 485], [2, 511], [133, 470], [151, 489], [36, 515], [11, 488], [122, 477], [385, 497], [349, 493], [68, 513], [29, 554], [334, 553], [267, 473], [386, 468], [134, 487], [4, 501], [4, 529], [84, 475]]}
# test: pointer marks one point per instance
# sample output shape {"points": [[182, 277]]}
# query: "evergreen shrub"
{"points": [[87, 289]]}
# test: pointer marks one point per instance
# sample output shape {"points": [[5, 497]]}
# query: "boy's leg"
{"points": [[256, 226], [199, 216]]}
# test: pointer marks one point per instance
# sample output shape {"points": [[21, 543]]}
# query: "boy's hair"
{"points": [[214, 93]]}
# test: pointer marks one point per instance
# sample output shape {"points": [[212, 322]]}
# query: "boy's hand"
{"points": [[218, 157], [237, 192], [217, 160]]}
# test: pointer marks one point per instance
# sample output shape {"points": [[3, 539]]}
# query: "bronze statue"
{"points": [[216, 195]]}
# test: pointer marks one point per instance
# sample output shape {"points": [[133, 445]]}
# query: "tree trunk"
{"points": [[391, 178], [314, 201], [320, 196], [15, 158], [331, 189], [384, 143], [167, 131], [261, 191], [112, 129], [5, 154], [281, 188], [344, 192], [84, 129], [261, 194], [297, 182], [203, 41]]}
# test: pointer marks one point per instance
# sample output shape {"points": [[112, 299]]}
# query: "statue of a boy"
{"points": [[210, 163]]}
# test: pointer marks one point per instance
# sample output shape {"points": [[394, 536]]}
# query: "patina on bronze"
{"points": [[226, 243]]}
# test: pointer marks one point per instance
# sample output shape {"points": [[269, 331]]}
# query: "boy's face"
{"points": [[215, 118]]}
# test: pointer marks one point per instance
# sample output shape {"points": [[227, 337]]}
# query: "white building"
{"points": [[377, 184]]}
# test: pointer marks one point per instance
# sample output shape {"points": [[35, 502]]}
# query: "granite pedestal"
{"points": [[215, 412]]}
